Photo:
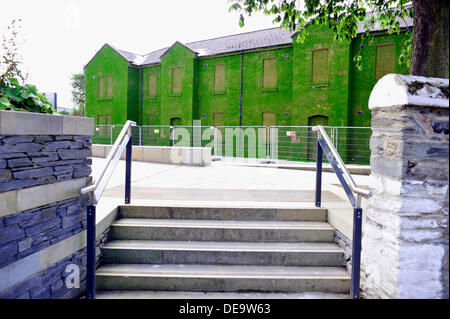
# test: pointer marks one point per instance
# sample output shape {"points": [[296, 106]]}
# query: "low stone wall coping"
{"points": [[197, 156], [397, 90], [25, 123]]}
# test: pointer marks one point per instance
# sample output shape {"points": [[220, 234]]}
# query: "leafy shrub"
{"points": [[14, 95], [23, 98]]}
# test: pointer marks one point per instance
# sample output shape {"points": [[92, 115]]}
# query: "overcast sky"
{"points": [[60, 36]]}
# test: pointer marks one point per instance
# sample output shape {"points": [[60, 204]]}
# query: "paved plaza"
{"points": [[221, 184]]}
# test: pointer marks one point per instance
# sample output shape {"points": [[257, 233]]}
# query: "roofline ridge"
{"points": [[232, 35]]}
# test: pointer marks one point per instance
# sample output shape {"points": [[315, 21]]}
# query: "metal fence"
{"points": [[292, 143]]}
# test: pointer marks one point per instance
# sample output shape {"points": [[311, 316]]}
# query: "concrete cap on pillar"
{"points": [[397, 89]]}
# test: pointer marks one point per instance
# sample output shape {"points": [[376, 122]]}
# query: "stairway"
{"points": [[178, 252]]}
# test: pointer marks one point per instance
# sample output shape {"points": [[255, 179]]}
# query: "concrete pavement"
{"points": [[225, 185]]}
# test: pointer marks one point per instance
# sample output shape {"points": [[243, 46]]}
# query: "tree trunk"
{"points": [[430, 39]]}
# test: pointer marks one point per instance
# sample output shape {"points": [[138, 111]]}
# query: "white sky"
{"points": [[61, 36]]}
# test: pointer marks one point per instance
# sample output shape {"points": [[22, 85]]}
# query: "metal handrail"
{"points": [[125, 132], [350, 187], [353, 186], [122, 143]]}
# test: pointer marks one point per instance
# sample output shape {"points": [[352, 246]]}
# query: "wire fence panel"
{"points": [[156, 135], [102, 134], [353, 144], [292, 143], [244, 141], [135, 130]]}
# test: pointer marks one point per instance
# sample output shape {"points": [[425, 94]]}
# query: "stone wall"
{"points": [[27, 161], [42, 214], [405, 234], [346, 244]]}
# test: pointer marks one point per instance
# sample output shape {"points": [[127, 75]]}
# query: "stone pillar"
{"points": [[405, 234]]}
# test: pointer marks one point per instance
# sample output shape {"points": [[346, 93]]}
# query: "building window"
{"points": [[149, 120], [176, 80], [219, 77], [384, 60], [105, 86], [100, 119], [101, 86], [109, 86], [108, 127], [152, 84], [108, 119], [269, 73], [104, 124], [319, 66], [268, 119]]}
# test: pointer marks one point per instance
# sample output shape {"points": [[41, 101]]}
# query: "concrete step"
{"points": [[146, 294], [214, 278], [223, 253], [222, 213], [221, 230]]}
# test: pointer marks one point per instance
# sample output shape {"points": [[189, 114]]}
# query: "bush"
{"points": [[14, 95], [23, 98]]}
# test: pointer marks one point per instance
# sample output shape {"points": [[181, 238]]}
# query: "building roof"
{"points": [[404, 23], [227, 44], [237, 42]]}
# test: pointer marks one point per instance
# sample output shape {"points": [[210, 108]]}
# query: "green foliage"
{"points": [[405, 54], [63, 112], [14, 95], [78, 91], [340, 16], [73, 112]]}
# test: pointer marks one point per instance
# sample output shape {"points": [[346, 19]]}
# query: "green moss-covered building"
{"points": [[260, 78]]}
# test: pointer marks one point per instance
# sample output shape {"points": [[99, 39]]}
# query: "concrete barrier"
{"points": [[197, 156]]}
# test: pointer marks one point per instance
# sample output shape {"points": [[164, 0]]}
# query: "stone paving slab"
{"points": [[256, 195]]}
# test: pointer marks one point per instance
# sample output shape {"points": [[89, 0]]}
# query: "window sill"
{"points": [[219, 92], [176, 94], [104, 99], [150, 98], [268, 89], [319, 85]]}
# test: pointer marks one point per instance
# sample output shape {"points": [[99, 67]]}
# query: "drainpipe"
{"points": [[240, 103], [142, 96]]}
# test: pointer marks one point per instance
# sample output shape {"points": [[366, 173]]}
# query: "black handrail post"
{"points": [[319, 175], [90, 247], [356, 253], [128, 171]]}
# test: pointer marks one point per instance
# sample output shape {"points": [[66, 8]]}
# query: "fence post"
{"points": [[319, 174], [356, 252], [128, 170], [90, 251], [111, 134], [140, 135], [215, 142], [239, 142]]}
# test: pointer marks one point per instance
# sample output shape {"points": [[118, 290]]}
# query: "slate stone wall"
{"points": [[346, 244], [51, 282], [29, 161]]}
